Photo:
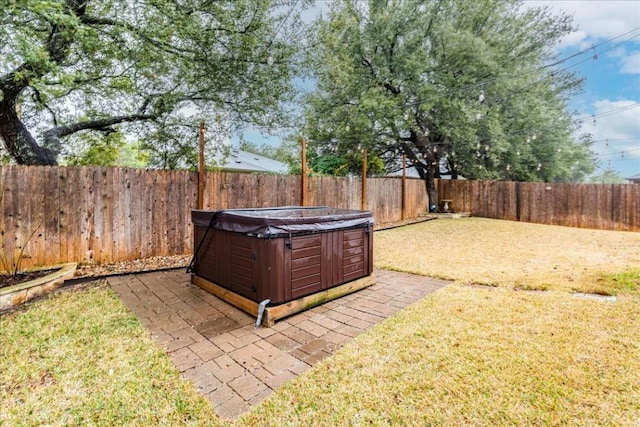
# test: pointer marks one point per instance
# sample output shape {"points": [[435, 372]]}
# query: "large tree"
{"points": [[466, 87], [69, 67]]}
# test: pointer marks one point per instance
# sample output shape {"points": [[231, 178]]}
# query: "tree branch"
{"points": [[52, 136]]}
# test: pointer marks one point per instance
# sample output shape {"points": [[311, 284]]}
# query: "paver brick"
{"points": [[232, 407], [228, 370], [185, 359], [264, 355], [336, 337], [262, 374], [338, 317], [161, 337], [178, 343], [299, 367], [282, 342], [280, 363], [360, 324], [313, 346], [247, 386], [243, 331], [280, 379], [326, 322], [263, 332], [297, 318], [313, 328], [203, 379], [298, 335], [244, 340], [245, 355], [206, 350], [220, 395], [314, 358], [349, 331], [190, 332], [260, 397], [223, 342], [319, 309]]}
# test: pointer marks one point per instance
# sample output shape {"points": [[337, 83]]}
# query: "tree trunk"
{"points": [[430, 184], [18, 140]]}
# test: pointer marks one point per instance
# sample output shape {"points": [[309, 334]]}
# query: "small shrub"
{"points": [[11, 262]]}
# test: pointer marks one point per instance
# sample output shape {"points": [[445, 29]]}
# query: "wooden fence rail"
{"points": [[601, 206], [102, 215]]}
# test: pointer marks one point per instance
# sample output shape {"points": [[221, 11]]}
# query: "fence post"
{"points": [[303, 173], [518, 199], [364, 180], [201, 168], [404, 186]]}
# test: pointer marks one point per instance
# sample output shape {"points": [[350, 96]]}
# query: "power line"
{"points": [[593, 47], [619, 153], [609, 112]]}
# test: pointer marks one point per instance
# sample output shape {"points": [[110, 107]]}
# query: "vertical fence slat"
{"points": [[9, 191]]}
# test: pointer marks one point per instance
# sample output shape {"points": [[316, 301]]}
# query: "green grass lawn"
{"points": [[465, 355], [80, 358]]}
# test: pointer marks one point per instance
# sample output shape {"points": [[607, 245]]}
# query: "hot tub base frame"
{"points": [[276, 312]]}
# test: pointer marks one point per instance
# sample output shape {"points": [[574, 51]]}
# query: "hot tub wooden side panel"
{"points": [[283, 269], [227, 259], [272, 261], [307, 261]]}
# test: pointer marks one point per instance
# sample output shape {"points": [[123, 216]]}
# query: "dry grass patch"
{"points": [[80, 358], [488, 355], [510, 254], [469, 356]]}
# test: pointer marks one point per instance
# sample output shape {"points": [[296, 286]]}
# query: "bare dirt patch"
{"points": [[6, 281]]}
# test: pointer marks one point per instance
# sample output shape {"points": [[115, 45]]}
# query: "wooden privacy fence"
{"points": [[102, 215], [601, 206]]}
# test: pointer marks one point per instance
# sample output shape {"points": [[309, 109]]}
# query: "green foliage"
{"points": [[143, 68], [336, 164], [456, 85], [608, 176], [131, 155], [102, 150]]}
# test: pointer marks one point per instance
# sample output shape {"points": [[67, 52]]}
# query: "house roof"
{"points": [[243, 161], [634, 177]]}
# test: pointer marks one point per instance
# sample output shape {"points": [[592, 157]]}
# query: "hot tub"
{"points": [[282, 254]]}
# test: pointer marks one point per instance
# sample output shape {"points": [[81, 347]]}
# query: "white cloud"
{"points": [[619, 52], [577, 38], [601, 19], [630, 64], [596, 20]]}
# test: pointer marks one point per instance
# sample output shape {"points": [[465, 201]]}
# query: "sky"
{"points": [[608, 32], [609, 106]]}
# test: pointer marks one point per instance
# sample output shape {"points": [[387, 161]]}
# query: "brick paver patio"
{"points": [[232, 363]]}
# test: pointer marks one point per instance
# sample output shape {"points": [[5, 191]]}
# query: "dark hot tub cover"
{"points": [[274, 222]]}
